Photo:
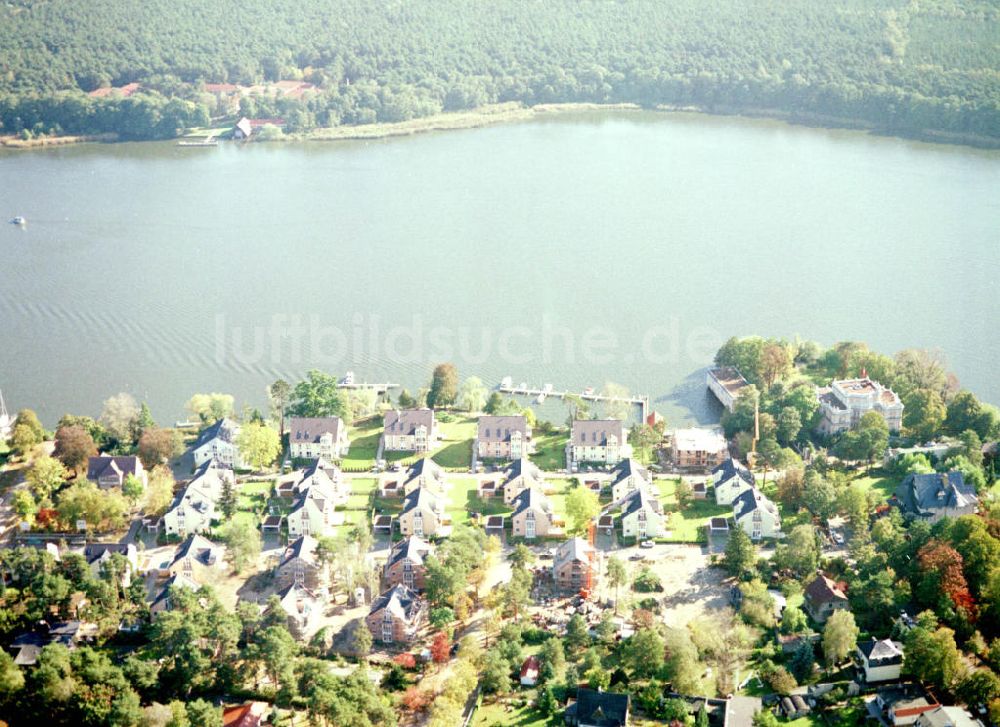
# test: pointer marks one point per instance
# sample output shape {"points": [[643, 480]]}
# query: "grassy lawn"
{"points": [[685, 525], [879, 481], [364, 445], [456, 435], [562, 487], [498, 715], [462, 499], [550, 450]]}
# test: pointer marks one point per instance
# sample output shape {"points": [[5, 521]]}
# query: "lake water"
{"points": [[573, 250]]}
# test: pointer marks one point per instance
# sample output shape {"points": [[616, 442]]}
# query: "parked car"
{"points": [[647, 544]]}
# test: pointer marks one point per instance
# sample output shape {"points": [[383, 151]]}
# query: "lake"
{"points": [[573, 250]]}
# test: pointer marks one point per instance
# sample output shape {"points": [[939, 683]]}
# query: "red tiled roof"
{"points": [[127, 90], [530, 664], [221, 87]]}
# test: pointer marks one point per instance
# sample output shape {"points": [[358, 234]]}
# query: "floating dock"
{"points": [[506, 387]]}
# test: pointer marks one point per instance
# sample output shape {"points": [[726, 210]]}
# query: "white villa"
{"points": [[194, 508], [730, 480], [757, 515], [642, 515], [601, 441], [409, 430], [218, 443], [844, 402], [317, 438], [628, 475]]}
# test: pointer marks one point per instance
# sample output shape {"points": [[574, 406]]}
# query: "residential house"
{"points": [[299, 564], [698, 448], [575, 566], [756, 514], [726, 383], [902, 704], [317, 494], [598, 709], [303, 609], [97, 554], [881, 661], [68, 633], [627, 476], [532, 517], [601, 441], [730, 480], [396, 616], [218, 442], [198, 559], [947, 717], [317, 437], [844, 402], [642, 515], [503, 437], [519, 475], [529, 671], [245, 128], [409, 430], [423, 514], [794, 707], [194, 508], [406, 563], [162, 598], [930, 497], [427, 473], [823, 596], [107, 471]]}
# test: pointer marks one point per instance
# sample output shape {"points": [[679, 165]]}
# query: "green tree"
{"points": [[259, 445], [159, 490], [361, 640], [27, 432], [242, 544], [444, 386], [45, 476], [406, 400], [740, 558], [581, 507], [840, 636], [496, 674], [119, 416], [211, 407], [924, 414], [24, 505], [577, 636], [683, 493], [642, 653], [203, 713], [793, 621], [617, 576], [552, 658], [472, 395], [279, 395], [547, 703], [132, 488], [318, 396], [932, 655], [11, 678], [801, 551], [789, 425]]}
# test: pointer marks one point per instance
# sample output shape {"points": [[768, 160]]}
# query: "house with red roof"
{"points": [[529, 671]]}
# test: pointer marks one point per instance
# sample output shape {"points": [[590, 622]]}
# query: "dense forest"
{"points": [[901, 66]]}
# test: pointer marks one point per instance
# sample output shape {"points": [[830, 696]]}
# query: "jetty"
{"points": [[507, 387], [349, 382]]}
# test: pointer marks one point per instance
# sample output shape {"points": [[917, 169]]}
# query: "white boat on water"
{"points": [[506, 382], [19, 221], [348, 379]]}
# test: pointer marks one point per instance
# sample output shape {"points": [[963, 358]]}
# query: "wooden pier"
{"points": [[380, 388], [641, 401]]}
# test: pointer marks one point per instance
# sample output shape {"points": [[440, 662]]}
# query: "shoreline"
{"points": [[514, 111]]}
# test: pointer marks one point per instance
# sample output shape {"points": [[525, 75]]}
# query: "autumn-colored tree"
{"points": [[441, 648], [416, 699], [74, 446], [941, 577], [159, 446]]}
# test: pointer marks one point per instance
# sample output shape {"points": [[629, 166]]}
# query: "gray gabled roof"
{"points": [[639, 499], [919, 494], [753, 499], [303, 547], [601, 709], [492, 428], [404, 422], [595, 432], [421, 498], [531, 499], [424, 467], [224, 429], [522, 467], [881, 653], [302, 430], [573, 549], [119, 465], [414, 548], [731, 467], [627, 468], [401, 602]]}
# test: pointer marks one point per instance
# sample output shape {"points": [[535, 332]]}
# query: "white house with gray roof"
{"points": [[194, 508], [629, 475], [503, 437], [642, 515], [598, 441], [532, 517], [409, 430], [519, 475], [756, 514], [218, 443], [730, 480], [881, 660], [424, 514], [317, 437]]}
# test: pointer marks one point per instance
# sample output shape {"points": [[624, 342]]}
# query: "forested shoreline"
{"points": [[912, 68]]}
